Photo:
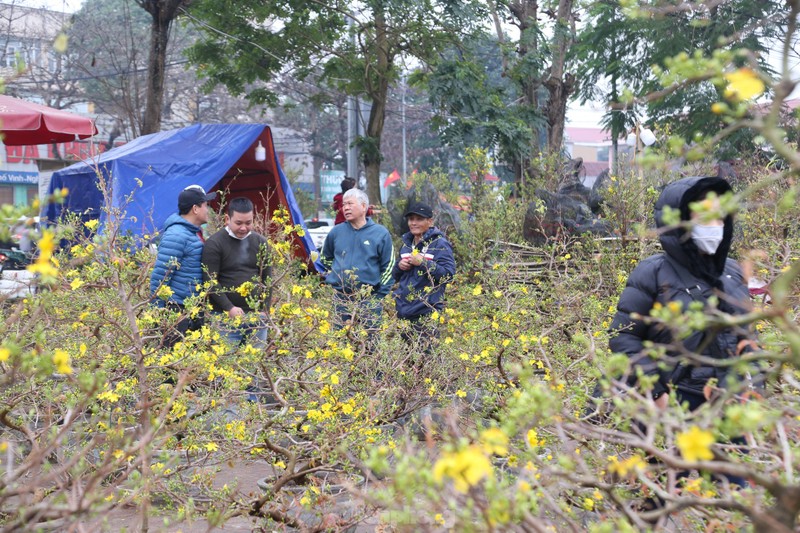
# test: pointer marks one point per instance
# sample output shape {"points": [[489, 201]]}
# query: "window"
{"points": [[10, 57], [6, 194], [602, 153], [33, 194]]}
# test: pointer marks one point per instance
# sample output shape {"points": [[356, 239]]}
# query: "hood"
{"points": [[677, 242], [175, 218]]}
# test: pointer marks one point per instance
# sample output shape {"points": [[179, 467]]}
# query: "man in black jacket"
{"points": [[238, 259]]}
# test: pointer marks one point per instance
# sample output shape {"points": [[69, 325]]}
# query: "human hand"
{"points": [[707, 391], [746, 345], [662, 402], [405, 264], [234, 311]]}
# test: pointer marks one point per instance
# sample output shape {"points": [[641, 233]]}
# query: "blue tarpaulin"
{"points": [[145, 176]]}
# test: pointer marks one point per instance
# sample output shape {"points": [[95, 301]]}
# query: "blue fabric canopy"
{"points": [[145, 176]]}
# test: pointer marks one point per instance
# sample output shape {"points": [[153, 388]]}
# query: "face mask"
{"points": [[234, 235], [707, 238]]}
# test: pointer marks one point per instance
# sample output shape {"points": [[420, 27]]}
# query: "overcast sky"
{"points": [[68, 6]]}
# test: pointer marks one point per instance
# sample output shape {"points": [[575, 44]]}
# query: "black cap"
{"points": [[193, 195], [418, 208]]}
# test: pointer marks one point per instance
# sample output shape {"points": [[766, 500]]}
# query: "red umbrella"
{"points": [[25, 123]]}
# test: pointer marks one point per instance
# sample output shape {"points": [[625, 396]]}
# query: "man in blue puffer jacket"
{"points": [[178, 264]]}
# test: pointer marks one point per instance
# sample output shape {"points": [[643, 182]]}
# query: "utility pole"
{"points": [[352, 135], [403, 114], [352, 119]]}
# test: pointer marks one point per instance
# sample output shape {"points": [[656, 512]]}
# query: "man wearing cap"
{"points": [[178, 266], [426, 266], [238, 259], [359, 256]]}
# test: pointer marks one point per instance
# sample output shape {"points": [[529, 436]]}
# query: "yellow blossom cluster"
{"points": [[695, 444], [632, 464], [465, 467], [45, 265]]}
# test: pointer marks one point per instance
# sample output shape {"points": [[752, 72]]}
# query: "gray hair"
{"points": [[359, 195]]}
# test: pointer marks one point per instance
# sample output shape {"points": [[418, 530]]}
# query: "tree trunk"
{"points": [[559, 84], [316, 163], [378, 92], [525, 12], [163, 12], [559, 91]]}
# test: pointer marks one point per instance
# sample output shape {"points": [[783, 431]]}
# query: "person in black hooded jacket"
{"points": [[693, 267]]}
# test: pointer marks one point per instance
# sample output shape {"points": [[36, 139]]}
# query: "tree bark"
{"points": [[559, 84], [525, 12], [378, 92], [163, 13]]}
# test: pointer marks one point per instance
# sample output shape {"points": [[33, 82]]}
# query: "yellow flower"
{"points": [[92, 224], [439, 519], [61, 361], [719, 108], [212, 446], [46, 243], [477, 290], [108, 396], [164, 292], [695, 444], [466, 468], [494, 441], [4, 355], [245, 289], [743, 84], [533, 438], [675, 306], [631, 464], [76, 283]]}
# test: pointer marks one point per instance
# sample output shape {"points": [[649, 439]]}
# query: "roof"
{"points": [[146, 175], [595, 168], [586, 135]]}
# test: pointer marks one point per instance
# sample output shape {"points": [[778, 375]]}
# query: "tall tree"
{"points": [[162, 13], [31, 64], [108, 55], [524, 112], [627, 54], [358, 45]]}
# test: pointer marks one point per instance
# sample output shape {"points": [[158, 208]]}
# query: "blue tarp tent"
{"points": [[145, 176]]}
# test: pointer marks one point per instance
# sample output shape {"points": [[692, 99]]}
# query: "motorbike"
{"points": [[13, 259]]}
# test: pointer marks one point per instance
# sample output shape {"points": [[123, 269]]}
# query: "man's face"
{"points": [[201, 212], [353, 210], [418, 225], [240, 224]]}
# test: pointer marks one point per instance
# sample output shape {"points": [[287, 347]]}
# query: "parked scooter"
{"points": [[13, 259]]}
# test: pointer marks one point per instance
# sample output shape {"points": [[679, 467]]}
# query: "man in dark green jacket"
{"points": [[359, 256]]}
